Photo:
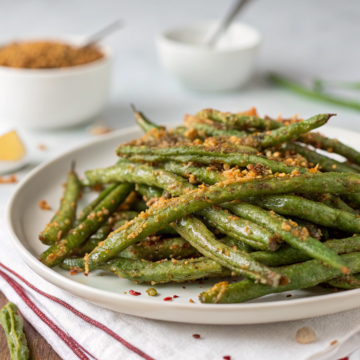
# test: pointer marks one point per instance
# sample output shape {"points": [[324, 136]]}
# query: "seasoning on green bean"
{"points": [[156, 272], [222, 149], [90, 244], [210, 130], [325, 163], [173, 248]]}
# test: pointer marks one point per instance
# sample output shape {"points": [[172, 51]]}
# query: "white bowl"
{"points": [[227, 66], [54, 98]]}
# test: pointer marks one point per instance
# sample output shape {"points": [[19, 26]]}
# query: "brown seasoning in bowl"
{"points": [[46, 55]]}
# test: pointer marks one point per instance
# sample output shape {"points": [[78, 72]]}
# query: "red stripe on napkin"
{"points": [[69, 341], [82, 316]]}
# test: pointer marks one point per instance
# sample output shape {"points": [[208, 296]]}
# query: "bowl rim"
{"points": [[64, 71], [163, 38]]}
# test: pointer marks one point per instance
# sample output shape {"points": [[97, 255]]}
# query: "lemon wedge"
{"points": [[11, 147]]}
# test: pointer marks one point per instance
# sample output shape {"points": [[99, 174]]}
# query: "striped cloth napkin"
{"points": [[77, 329]]}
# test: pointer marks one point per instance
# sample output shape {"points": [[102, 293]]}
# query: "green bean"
{"points": [[303, 275], [144, 123], [325, 163], [157, 272], [293, 131], [175, 248], [319, 141], [289, 255], [345, 282], [201, 174], [330, 200], [309, 210], [148, 191], [242, 122], [138, 205], [285, 133], [294, 235], [167, 230], [62, 221], [314, 230], [13, 328], [90, 244], [210, 130], [162, 214], [56, 253], [90, 207], [240, 229], [238, 159], [354, 166], [196, 233], [198, 150], [239, 245], [302, 90]]}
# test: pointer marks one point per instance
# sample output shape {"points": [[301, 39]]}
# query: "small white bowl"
{"points": [[227, 66], [54, 98]]}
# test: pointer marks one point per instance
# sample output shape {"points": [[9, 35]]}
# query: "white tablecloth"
{"points": [[165, 340]]}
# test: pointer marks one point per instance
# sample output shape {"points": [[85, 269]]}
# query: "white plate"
{"points": [[44, 182]]}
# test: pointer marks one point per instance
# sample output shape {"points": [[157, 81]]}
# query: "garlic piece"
{"points": [[305, 335]]}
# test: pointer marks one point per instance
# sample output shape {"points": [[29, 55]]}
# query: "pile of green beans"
{"points": [[224, 195]]}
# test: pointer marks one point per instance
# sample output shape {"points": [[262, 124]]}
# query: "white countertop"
{"points": [[301, 39]]}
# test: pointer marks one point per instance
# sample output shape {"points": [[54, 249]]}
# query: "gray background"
{"points": [[301, 38]]}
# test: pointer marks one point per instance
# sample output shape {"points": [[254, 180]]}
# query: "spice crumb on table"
{"points": [[8, 179], [43, 205]]}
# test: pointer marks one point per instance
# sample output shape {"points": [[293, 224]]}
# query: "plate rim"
{"points": [[46, 273]]}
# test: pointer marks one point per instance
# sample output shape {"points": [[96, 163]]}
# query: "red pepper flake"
{"points": [[135, 293], [333, 342], [200, 282], [168, 298], [227, 357], [345, 358], [196, 336], [175, 296], [184, 287], [288, 295]]}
